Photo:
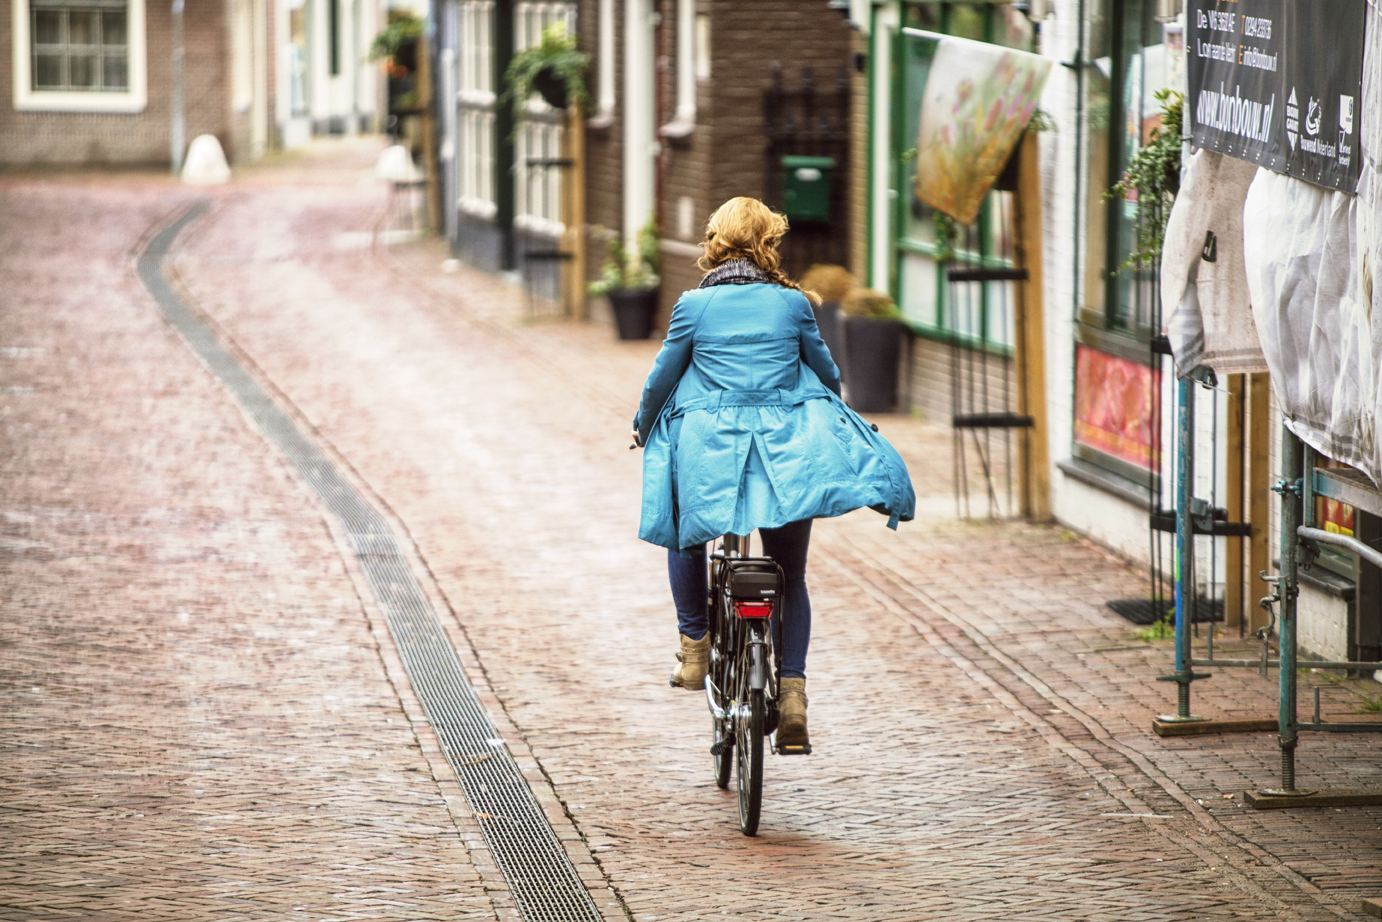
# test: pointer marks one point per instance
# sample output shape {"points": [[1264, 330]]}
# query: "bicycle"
{"points": [[745, 658]]}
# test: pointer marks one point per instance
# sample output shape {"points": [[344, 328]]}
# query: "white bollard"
{"points": [[206, 162], [396, 165]]}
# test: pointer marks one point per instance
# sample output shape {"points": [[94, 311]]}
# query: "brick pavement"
{"points": [[981, 718], [196, 721]]}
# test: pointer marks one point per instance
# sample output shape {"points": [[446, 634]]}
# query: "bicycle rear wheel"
{"points": [[721, 676], [748, 745]]}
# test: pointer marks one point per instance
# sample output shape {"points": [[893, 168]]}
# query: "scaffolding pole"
{"points": [[1185, 556], [1295, 487]]}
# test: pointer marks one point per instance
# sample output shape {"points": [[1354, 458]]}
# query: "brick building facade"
{"points": [[677, 123], [90, 82]]}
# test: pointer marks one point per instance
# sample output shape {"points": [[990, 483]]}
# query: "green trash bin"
{"points": [[806, 183]]}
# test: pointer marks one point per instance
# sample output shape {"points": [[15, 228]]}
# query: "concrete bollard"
{"points": [[206, 162]]}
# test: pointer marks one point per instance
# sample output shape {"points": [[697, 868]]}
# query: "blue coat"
{"points": [[744, 427]]}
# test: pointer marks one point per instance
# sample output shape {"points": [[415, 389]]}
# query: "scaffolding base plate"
{"points": [[1325, 797], [1169, 726]]}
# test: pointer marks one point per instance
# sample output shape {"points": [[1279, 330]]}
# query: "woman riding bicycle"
{"points": [[744, 430]]}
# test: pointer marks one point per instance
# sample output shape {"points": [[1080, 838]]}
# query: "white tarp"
{"points": [[1204, 284], [1314, 266], [1303, 261]]}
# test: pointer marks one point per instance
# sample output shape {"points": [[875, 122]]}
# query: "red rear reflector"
{"points": [[754, 609]]}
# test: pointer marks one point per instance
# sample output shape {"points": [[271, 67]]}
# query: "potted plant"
{"points": [[397, 45], [832, 283], [872, 329], [553, 68], [629, 279]]}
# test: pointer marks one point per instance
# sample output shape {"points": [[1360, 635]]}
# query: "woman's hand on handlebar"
{"points": [[637, 442]]}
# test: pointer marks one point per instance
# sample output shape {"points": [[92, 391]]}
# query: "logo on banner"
{"points": [[1292, 118], [1312, 117]]}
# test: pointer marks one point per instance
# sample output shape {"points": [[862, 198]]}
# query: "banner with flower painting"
{"points": [[977, 102]]}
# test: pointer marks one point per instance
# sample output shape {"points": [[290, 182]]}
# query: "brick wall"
{"points": [[859, 158], [604, 166], [57, 138], [724, 155]]}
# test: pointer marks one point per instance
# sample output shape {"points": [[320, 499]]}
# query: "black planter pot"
{"points": [[828, 322], [550, 87], [872, 348], [634, 311]]}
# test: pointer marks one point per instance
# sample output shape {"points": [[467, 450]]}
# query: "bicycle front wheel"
{"points": [[749, 758]]}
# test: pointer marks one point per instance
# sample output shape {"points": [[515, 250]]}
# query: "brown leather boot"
{"points": [[791, 709], [694, 663]]}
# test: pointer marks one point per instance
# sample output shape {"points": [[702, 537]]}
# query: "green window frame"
{"points": [[1127, 61], [920, 251]]}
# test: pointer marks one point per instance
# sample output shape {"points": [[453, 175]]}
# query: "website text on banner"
{"points": [[1278, 83]]}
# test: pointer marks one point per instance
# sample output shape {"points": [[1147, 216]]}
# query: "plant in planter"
{"points": [[832, 283], [629, 278], [872, 329], [397, 46], [553, 68]]}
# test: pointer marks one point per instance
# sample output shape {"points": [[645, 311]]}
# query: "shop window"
{"points": [[1336, 517], [298, 13], [1135, 51]]}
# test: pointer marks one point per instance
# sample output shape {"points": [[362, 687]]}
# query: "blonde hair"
{"points": [[745, 228]]}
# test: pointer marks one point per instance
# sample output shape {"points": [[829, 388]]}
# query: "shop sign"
{"points": [[1279, 83], [1113, 407]]}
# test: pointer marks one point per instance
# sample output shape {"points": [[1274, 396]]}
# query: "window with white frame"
{"points": [[78, 55], [538, 183], [476, 102]]}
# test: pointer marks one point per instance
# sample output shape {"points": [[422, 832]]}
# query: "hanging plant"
{"points": [[553, 67], [1153, 175]]}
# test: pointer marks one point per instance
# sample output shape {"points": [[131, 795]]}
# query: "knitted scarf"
{"points": [[734, 272]]}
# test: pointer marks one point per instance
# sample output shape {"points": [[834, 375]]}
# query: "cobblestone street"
{"points": [[204, 717]]}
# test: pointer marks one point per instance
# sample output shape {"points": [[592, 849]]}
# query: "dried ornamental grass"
{"points": [[832, 283], [867, 302]]}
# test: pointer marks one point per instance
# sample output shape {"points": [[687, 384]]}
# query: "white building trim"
{"points": [[639, 116], [684, 120]]}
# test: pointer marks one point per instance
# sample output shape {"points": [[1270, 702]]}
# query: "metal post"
{"points": [[179, 129], [1291, 489], [1185, 553]]}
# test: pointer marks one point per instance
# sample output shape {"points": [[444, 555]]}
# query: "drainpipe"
{"points": [[179, 127], [1078, 65]]}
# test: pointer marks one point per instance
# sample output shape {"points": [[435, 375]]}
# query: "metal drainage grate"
{"points": [[544, 884]]}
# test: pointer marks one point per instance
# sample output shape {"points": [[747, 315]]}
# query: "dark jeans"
{"points": [[787, 545]]}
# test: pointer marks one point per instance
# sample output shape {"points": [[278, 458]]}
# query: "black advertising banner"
{"points": [[1278, 83]]}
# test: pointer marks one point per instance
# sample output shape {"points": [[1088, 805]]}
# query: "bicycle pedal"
{"points": [[722, 746], [802, 750]]}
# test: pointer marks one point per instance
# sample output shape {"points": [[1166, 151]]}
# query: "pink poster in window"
{"points": [[1113, 407]]}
